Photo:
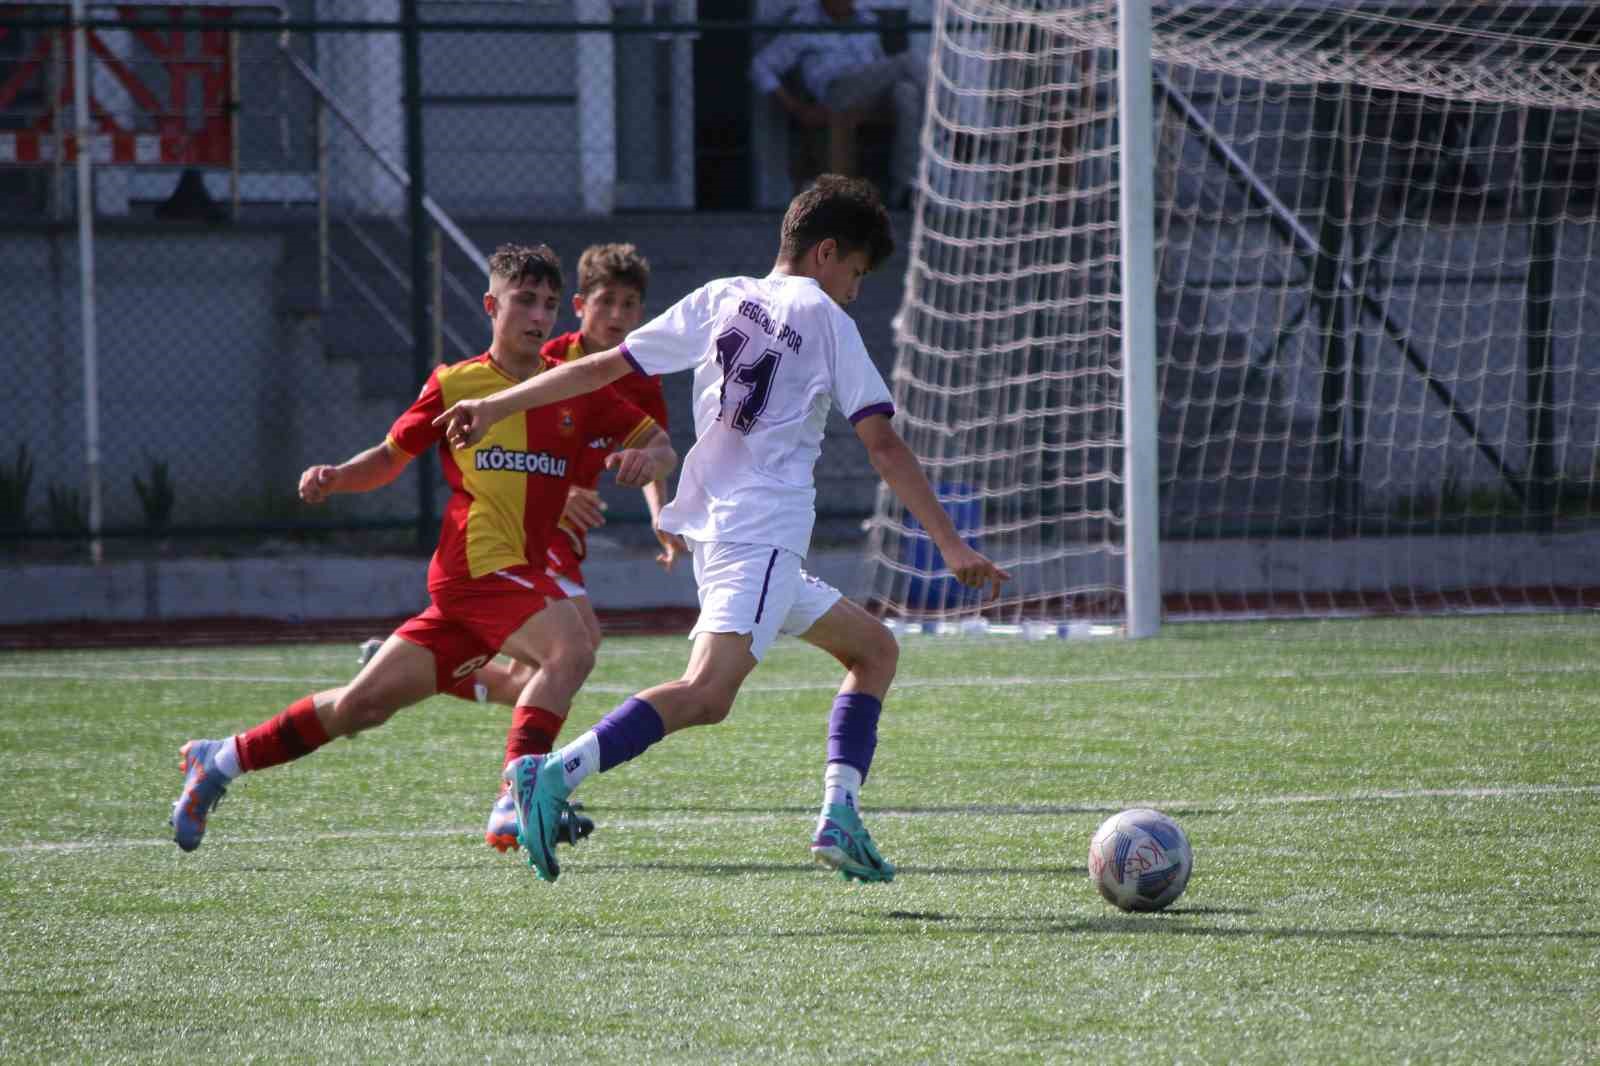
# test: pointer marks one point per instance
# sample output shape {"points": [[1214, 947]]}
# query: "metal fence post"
{"points": [[421, 309], [324, 281], [436, 292], [84, 141]]}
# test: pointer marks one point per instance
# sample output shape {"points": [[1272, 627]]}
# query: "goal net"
{"points": [[1378, 330]]}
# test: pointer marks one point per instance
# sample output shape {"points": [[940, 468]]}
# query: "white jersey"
{"points": [[770, 355]]}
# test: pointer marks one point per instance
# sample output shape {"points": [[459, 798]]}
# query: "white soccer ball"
{"points": [[1140, 860]]}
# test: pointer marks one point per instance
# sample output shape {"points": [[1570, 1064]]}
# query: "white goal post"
{"points": [[1376, 328]]}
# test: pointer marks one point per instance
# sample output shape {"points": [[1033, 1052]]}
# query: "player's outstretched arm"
{"points": [[371, 469], [466, 422], [898, 467], [638, 467]]}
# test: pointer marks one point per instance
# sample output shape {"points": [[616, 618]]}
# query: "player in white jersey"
{"points": [[770, 356]]}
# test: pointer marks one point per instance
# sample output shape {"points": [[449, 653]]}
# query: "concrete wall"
{"points": [[196, 368], [312, 588]]}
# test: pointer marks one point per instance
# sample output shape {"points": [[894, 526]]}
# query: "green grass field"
{"points": [[1395, 823]]}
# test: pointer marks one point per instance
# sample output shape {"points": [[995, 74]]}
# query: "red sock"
{"points": [[533, 732], [293, 732]]}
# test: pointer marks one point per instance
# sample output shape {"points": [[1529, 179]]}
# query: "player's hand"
{"points": [[585, 510], [672, 546], [317, 482], [973, 570], [465, 423], [634, 466]]}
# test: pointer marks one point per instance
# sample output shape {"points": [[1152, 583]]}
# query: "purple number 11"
{"points": [[757, 373]]}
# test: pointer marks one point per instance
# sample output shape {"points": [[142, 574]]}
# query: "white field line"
{"points": [[234, 657], [977, 681], [987, 812]]}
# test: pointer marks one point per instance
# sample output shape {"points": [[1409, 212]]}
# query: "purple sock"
{"points": [[629, 729], [853, 730]]}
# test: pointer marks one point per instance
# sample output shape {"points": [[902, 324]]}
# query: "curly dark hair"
{"points": [[612, 264], [526, 263], [848, 210]]}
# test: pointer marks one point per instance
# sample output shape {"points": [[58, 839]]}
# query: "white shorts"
{"points": [[756, 589]]}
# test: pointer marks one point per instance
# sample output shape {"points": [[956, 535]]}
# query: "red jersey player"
{"points": [[609, 303], [487, 583]]}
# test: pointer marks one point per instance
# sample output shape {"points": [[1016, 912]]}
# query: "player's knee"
{"points": [[887, 651], [586, 659], [876, 657], [572, 661], [714, 710], [884, 658]]}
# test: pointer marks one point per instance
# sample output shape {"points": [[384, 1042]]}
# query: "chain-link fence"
{"points": [[291, 208]]}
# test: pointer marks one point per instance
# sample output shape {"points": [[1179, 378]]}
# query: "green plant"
{"points": [[1456, 498], [68, 513], [16, 480], [156, 495]]}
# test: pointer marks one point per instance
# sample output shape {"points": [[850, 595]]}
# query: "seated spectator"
{"points": [[844, 72]]}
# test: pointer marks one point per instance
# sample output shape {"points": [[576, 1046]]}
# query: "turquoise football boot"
{"points": [[539, 791], [844, 844]]}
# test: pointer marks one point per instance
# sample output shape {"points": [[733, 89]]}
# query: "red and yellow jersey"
{"points": [[508, 490], [637, 389]]}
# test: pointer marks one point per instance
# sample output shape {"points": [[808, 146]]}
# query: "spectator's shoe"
{"points": [[202, 790], [843, 843], [501, 833], [539, 790]]}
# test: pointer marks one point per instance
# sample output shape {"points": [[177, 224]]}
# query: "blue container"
{"points": [[924, 591]]}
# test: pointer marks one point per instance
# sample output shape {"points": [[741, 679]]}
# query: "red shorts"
{"points": [[563, 560], [470, 618]]}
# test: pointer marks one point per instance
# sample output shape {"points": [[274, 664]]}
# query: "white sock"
{"points": [[841, 784], [227, 759], [580, 758]]}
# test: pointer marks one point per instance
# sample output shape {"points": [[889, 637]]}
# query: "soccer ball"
{"points": [[1140, 860]]}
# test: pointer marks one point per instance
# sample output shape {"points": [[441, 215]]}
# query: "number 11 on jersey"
{"points": [[756, 373]]}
